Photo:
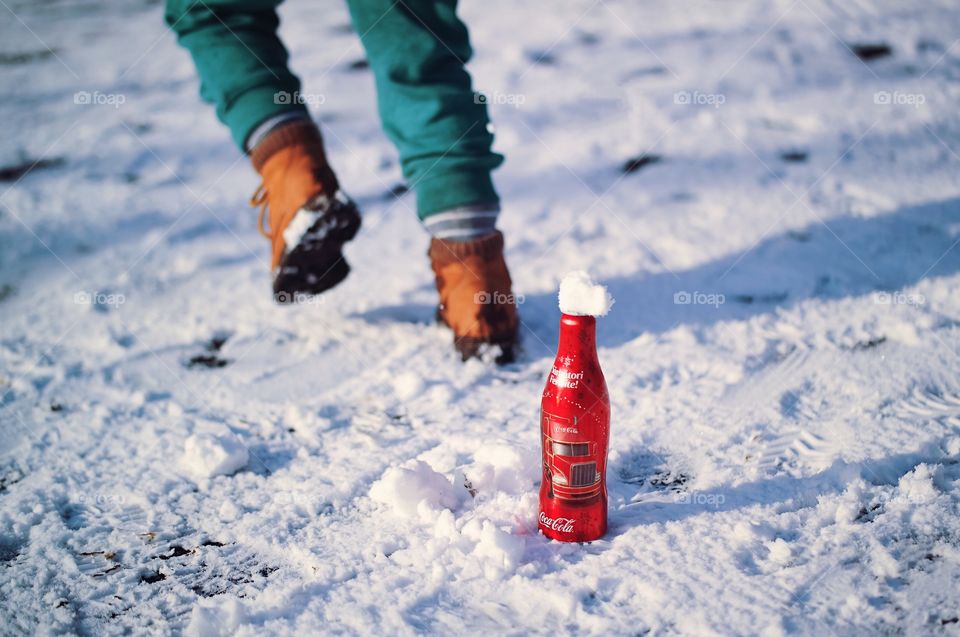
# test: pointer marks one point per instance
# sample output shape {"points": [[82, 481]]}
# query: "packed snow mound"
{"points": [[581, 296], [215, 618], [409, 488], [213, 454], [503, 467], [408, 385], [499, 551]]}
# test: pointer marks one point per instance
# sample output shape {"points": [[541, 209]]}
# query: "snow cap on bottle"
{"points": [[581, 296]]}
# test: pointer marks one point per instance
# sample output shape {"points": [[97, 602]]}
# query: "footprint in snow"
{"points": [[870, 51], [15, 172], [794, 448], [211, 359]]}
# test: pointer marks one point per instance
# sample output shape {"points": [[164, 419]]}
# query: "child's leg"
{"points": [[243, 71], [241, 62], [417, 50]]}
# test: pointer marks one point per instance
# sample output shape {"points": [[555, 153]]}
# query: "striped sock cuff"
{"points": [[271, 123], [463, 223]]}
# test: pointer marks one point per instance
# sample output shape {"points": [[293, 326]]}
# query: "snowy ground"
{"points": [[782, 357]]}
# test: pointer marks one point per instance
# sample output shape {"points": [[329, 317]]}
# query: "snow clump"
{"points": [[413, 485], [216, 618], [580, 296], [213, 454]]}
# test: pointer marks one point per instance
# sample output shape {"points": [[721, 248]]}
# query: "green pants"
{"points": [[416, 49]]}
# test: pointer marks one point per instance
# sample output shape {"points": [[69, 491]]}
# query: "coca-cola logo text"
{"points": [[562, 525]]}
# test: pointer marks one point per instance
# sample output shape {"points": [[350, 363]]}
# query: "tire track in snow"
{"points": [[931, 403], [785, 384]]}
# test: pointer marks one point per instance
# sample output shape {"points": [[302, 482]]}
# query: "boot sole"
{"points": [[316, 264], [469, 347]]}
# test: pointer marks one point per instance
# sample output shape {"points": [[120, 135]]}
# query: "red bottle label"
{"points": [[570, 459], [574, 432]]}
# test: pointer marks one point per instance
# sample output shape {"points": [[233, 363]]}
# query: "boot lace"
{"points": [[259, 199]]}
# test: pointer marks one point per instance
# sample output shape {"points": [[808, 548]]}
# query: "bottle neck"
{"points": [[578, 339]]}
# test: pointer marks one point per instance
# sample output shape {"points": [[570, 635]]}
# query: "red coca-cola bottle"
{"points": [[575, 431]]}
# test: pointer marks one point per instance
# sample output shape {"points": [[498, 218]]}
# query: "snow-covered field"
{"points": [[782, 357]]}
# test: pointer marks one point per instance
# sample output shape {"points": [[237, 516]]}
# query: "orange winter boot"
{"points": [[308, 218], [476, 300]]}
